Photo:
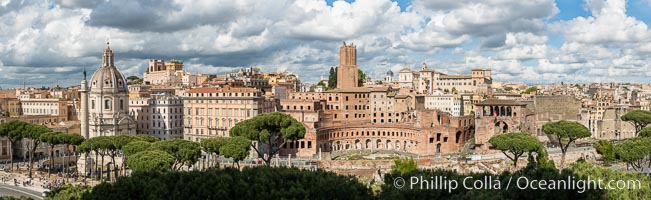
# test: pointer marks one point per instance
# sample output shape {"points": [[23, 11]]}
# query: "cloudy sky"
{"points": [[49, 42]]}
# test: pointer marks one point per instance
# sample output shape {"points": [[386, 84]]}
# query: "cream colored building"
{"points": [[105, 101], [170, 73], [159, 115], [212, 112], [426, 81], [443, 102]]}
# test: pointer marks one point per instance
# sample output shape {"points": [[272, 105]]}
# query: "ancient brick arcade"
{"points": [[371, 118]]}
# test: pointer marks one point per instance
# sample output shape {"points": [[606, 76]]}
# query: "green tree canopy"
{"points": [[73, 139], [390, 191], [361, 77], [52, 138], [212, 145], [404, 165], [332, 78], [516, 144], [274, 129], [69, 192], [596, 172], [132, 78], [236, 148], [605, 149], [153, 160], [135, 147], [184, 152], [639, 119], [566, 131], [145, 137], [231, 183], [645, 132], [530, 90], [13, 129], [634, 151], [120, 140]]}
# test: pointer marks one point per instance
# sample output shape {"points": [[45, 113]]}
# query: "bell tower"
{"points": [[347, 71]]}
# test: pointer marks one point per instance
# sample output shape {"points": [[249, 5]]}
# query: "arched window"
{"points": [[121, 104]]}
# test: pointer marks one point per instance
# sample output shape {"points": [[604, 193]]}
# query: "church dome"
{"points": [[389, 73], [108, 77]]}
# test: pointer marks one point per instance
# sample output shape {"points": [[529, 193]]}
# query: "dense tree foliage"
{"points": [[135, 147], [69, 192], [273, 129], [212, 145], [639, 119], [542, 160], [19, 130], [184, 152], [404, 165], [566, 132], [497, 189], [230, 183], [236, 148], [530, 90], [605, 149], [516, 144], [145, 137], [634, 152], [645, 132], [332, 79], [154, 160], [361, 77], [15, 198], [597, 172]]}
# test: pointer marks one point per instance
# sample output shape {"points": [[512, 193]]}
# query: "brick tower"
{"points": [[347, 70]]}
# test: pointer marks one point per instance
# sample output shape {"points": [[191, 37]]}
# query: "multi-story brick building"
{"points": [[212, 112], [495, 116], [11, 107], [375, 118]]}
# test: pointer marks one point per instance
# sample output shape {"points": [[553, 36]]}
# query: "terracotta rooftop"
{"points": [[500, 102], [227, 89], [379, 89], [349, 90], [456, 76]]}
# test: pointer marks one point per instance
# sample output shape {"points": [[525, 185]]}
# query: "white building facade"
{"points": [[160, 116], [105, 101]]}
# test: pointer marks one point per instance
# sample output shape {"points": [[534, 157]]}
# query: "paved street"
{"points": [[10, 190]]}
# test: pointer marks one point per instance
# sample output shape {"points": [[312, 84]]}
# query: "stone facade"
{"points": [[212, 112], [52, 107], [494, 116], [105, 106], [11, 106], [159, 115], [554, 108], [427, 80], [372, 119]]}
